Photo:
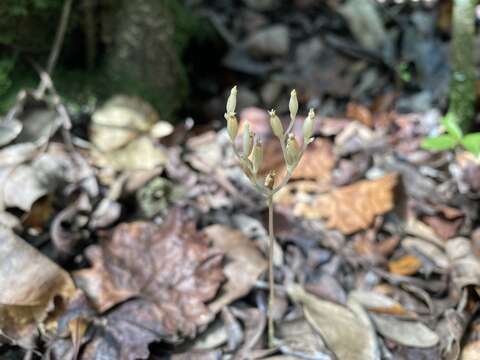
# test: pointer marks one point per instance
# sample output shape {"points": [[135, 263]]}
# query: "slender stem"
{"points": [[290, 126], [271, 283]]}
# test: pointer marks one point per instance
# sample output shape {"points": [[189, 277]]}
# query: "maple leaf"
{"points": [[165, 274]]}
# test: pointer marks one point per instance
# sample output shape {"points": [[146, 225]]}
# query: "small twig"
{"points": [[60, 36]]}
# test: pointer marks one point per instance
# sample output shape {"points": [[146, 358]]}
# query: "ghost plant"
{"points": [[251, 157]]}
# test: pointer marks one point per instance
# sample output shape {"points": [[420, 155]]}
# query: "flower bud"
{"points": [[308, 126], [276, 124], [232, 126], [232, 101], [293, 104], [270, 180], [257, 156], [292, 150], [247, 140]]}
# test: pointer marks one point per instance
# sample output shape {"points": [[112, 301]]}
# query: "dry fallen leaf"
{"points": [[29, 282], [361, 113], [298, 338], [316, 163], [464, 264], [348, 209], [378, 303], [171, 268], [471, 351], [428, 249], [405, 332], [245, 266], [406, 265], [345, 333], [123, 132]]}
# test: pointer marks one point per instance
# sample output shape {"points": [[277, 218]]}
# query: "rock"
{"points": [[308, 51], [269, 42], [262, 5], [418, 102], [365, 23], [270, 92], [253, 21], [246, 98]]}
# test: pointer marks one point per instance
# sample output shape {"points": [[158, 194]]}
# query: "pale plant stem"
{"points": [[271, 282]]}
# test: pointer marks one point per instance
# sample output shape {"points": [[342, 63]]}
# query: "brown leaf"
{"points": [[361, 113], [316, 164], [406, 265], [348, 209], [245, 266], [29, 282], [445, 229], [171, 267]]}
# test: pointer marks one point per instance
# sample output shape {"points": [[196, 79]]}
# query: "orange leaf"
{"points": [[348, 209], [406, 265], [361, 113]]}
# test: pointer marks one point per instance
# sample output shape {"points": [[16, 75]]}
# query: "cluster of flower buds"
{"points": [[252, 149]]}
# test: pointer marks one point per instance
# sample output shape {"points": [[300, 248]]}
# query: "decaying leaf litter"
{"points": [[140, 240]]}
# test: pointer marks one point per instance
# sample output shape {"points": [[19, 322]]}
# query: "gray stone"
{"points": [[246, 98], [269, 42], [308, 51], [262, 5], [270, 92]]}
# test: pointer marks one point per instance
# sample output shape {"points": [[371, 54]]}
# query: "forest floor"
{"points": [[125, 237]]}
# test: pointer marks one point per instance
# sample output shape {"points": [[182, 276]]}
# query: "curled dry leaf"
{"points": [[29, 282], [344, 332], [9, 130], [378, 303], [245, 266], [23, 184], [465, 265], [348, 209], [428, 249], [170, 267]]}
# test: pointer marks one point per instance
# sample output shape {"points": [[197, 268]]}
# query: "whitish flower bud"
{"points": [[292, 150], [276, 124], [270, 180], [293, 104], [308, 126], [232, 101], [232, 126], [257, 156], [247, 140]]}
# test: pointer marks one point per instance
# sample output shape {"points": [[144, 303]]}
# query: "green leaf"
{"points": [[450, 121], [471, 143], [442, 142]]}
